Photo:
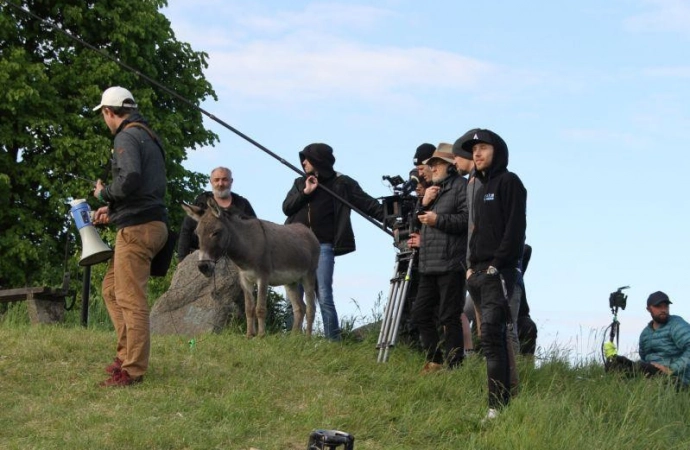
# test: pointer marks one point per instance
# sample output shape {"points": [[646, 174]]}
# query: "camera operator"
{"points": [[442, 244], [664, 345], [424, 152]]}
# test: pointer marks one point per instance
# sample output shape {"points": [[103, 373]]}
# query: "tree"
{"points": [[49, 136]]}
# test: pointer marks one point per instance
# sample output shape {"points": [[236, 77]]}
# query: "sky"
{"points": [[591, 97]]}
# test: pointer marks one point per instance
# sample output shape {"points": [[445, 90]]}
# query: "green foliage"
{"points": [[49, 135], [229, 392]]}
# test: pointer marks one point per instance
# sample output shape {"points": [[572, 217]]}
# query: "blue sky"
{"points": [[591, 98]]}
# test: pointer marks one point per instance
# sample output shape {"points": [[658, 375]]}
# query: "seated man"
{"points": [[664, 345]]}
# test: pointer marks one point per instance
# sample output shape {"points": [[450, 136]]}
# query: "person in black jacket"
{"points": [[221, 183], [135, 200], [495, 251], [442, 243], [328, 218]]}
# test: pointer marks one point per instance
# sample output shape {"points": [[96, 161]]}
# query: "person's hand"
{"points": [[492, 271], [468, 274], [428, 218], [414, 241], [101, 216], [311, 184], [97, 191], [664, 369], [430, 195]]}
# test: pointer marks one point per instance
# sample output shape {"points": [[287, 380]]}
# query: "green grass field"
{"points": [[227, 392]]}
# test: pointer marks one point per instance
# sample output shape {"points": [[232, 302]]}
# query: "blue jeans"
{"points": [[324, 292]]}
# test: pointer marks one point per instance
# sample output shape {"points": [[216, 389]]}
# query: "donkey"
{"points": [[266, 254]]}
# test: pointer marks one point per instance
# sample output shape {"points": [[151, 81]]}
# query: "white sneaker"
{"points": [[491, 415]]}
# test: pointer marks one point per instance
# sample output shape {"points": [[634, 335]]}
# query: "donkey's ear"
{"points": [[213, 206], [193, 211]]}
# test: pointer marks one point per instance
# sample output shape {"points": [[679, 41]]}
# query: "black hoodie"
{"points": [[327, 217], [500, 210]]}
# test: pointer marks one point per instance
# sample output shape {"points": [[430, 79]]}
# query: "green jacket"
{"points": [[668, 345]]}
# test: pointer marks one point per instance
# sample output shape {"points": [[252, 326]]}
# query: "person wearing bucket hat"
{"points": [[495, 249], [135, 200], [442, 243], [664, 346], [328, 218]]}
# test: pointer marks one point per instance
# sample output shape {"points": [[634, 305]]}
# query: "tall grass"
{"points": [[227, 392]]}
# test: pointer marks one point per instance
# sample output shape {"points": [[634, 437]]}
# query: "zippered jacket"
{"points": [[668, 345]]}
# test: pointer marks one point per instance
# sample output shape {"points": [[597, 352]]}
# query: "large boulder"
{"points": [[195, 304]]}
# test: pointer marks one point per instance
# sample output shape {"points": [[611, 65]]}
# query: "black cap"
{"points": [[658, 298], [458, 146], [423, 153], [477, 135]]}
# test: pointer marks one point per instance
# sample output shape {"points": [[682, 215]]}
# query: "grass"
{"points": [[227, 392]]}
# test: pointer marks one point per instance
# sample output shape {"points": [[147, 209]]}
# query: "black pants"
{"points": [[491, 294], [442, 293]]}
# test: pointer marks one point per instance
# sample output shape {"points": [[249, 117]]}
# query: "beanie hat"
{"points": [[423, 153]]}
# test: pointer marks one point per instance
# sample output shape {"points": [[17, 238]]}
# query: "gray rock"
{"points": [[195, 304]]}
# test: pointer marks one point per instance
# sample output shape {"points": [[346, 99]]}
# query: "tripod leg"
{"points": [[403, 283], [388, 310]]}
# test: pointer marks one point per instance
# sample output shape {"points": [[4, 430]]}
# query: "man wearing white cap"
{"points": [[136, 206]]}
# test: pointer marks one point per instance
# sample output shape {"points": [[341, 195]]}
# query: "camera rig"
{"points": [[399, 208], [398, 212], [617, 299]]}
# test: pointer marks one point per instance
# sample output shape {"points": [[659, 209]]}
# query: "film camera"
{"points": [[618, 299], [398, 209]]}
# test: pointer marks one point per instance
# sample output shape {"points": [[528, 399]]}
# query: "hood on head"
{"points": [[477, 135], [320, 156]]}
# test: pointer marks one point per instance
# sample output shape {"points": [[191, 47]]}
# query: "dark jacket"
{"points": [[668, 345], [188, 240], [499, 214], [136, 194], [298, 206], [444, 245]]}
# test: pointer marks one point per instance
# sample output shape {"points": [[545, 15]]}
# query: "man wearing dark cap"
{"points": [[442, 243], [423, 153], [495, 249], [664, 345], [328, 218]]}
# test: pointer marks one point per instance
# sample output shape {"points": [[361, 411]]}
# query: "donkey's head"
{"points": [[214, 236]]}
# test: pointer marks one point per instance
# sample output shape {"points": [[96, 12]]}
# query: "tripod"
{"points": [[400, 283]]}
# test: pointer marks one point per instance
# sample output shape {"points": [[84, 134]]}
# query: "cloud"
{"points": [[665, 16], [309, 69], [317, 53]]}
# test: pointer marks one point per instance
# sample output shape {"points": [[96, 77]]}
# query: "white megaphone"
{"points": [[94, 250]]}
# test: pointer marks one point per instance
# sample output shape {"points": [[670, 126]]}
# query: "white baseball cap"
{"points": [[116, 97]]}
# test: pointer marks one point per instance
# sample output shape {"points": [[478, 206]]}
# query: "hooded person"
{"points": [[495, 250], [328, 217]]}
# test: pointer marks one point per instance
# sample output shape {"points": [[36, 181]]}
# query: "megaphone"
{"points": [[94, 250]]}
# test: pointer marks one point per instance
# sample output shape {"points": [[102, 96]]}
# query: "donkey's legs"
{"points": [[249, 306], [309, 285], [261, 294], [295, 296]]}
